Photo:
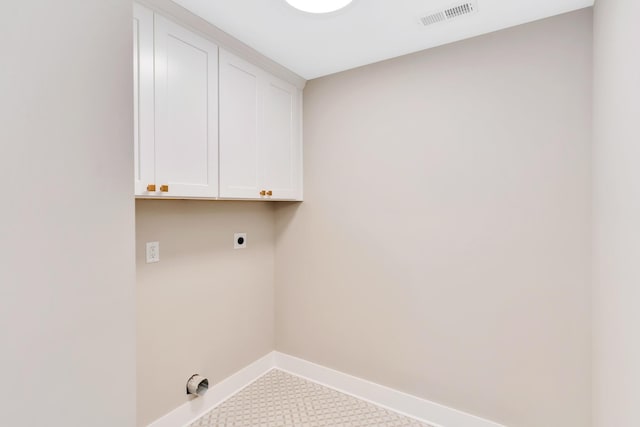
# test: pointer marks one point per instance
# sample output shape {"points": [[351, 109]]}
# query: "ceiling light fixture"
{"points": [[319, 6]]}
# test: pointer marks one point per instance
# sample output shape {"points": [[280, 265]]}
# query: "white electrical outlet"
{"points": [[153, 252], [239, 240]]}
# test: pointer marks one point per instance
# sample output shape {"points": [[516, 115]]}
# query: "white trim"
{"points": [[403, 403], [188, 412], [423, 410]]}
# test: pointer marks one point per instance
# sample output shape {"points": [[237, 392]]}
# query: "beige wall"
{"points": [[617, 214], [205, 307], [443, 247], [67, 289]]}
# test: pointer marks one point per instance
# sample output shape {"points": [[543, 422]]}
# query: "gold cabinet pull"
{"points": [[263, 193], [151, 187], [269, 193], [164, 188]]}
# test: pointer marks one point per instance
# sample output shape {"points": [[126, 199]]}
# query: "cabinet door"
{"points": [[240, 110], [186, 106], [143, 99], [281, 149]]}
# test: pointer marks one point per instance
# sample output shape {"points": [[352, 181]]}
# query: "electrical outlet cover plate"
{"points": [[239, 240], [153, 252]]}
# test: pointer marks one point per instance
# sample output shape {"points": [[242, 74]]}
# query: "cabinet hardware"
{"points": [[151, 187], [269, 193], [263, 193], [164, 188]]}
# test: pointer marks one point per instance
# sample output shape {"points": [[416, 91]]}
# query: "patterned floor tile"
{"points": [[278, 399]]}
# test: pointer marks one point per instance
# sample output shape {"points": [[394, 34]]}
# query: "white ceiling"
{"points": [[364, 32]]}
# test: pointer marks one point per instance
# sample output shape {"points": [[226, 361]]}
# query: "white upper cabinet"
{"points": [[175, 109], [260, 143], [143, 109], [281, 133], [240, 106], [186, 112], [207, 123]]}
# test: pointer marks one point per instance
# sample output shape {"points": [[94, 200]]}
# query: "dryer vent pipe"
{"points": [[197, 385]]}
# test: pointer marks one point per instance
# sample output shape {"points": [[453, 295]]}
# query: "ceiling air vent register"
{"points": [[450, 13]]}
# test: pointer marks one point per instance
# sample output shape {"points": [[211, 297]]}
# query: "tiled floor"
{"points": [[279, 399]]}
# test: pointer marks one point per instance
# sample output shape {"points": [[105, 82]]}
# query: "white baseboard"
{"points": [[188, 412], [403, 403]]}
